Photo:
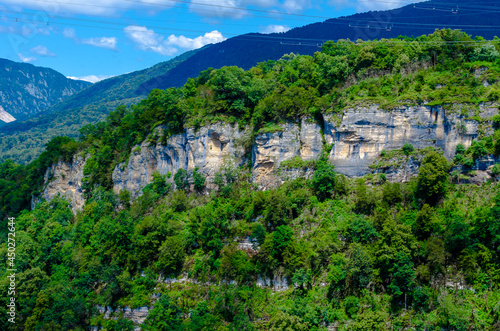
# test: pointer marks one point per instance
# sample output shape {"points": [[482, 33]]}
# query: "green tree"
{"points": [[166, 315], [171, 256], [181, 179], [158, 185], [432, 181], [323, 180], [282, 238], [423, 222], [403, 276], [198, 181]]}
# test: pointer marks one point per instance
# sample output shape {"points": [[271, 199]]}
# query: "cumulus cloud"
{"points": [[26, 59], [275, 28], [149, 40], [102, 42], [89, 7], [90, 78], [42, 51], [296, 6], [362, 6]]}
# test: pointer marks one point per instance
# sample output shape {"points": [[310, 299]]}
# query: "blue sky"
{"points": [[96, 39]]}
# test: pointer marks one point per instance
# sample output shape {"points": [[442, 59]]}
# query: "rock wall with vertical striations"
{"points": [[65, 179], [357, 139], [363, 133], [206, 149]]}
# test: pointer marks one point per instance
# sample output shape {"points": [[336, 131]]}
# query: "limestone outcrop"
{"points": [[65, 179], [363, 133], [357, 138], [206, 149]]}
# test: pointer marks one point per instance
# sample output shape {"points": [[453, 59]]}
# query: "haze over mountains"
{"points": [[23, 141]]}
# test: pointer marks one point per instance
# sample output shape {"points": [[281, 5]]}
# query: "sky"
{"points": [[96, 39]]}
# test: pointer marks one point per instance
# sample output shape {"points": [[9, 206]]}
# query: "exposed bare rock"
{"points": [[363, 133], [6, 117], [65, 179], [358, 137], [311, 141], [206, 149], [211, 146], [270, 149]]}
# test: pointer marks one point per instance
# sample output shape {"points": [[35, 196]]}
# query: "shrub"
{"points": [[198, 180], [432, 181], [407, 149], [323, 180], [181, 179]]}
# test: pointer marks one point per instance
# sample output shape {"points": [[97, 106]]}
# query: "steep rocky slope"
{"points": [[26, 90], [356, 139]]}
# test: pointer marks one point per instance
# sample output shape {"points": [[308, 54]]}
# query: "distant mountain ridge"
{"points": [[247, 50], [26, 90], [23, 141]]}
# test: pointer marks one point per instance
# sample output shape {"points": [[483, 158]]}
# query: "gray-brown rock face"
{"points": [[206, 149], [271, 149], [357, 139], [364, 132], [65, 179]]}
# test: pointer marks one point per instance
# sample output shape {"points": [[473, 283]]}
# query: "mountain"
{"points": [[26, 90], [93, 103], [286, 197], [24, 140], [122, 89], [247, 50]]}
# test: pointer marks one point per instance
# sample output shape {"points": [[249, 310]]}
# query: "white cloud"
{"points": [[90, 78], [26, 59], [42, 51], [235, 9], [212, 37], [275, 28], [69, 33], [102, 42], [149, 40], [296, 6], [221, 8], [92, 7], [363, 6]]}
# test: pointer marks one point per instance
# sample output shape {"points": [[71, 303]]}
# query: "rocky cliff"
{"points": [[357, 138], [65, 179], [26, 89]]}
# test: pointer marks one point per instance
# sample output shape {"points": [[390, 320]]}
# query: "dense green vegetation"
{"points": [[343, 75], [362, 257], [357, 253]]}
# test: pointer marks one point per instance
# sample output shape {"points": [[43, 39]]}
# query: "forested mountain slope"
{"points": [[243, 51], [196, 250], [411, 20], [23, 141], [27, 90]]}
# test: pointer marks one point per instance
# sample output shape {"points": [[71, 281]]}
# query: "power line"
{"points": [[282, 40], [289, 14]]}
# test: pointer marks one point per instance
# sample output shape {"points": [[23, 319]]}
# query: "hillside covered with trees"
{"points": [[354, 253]]}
